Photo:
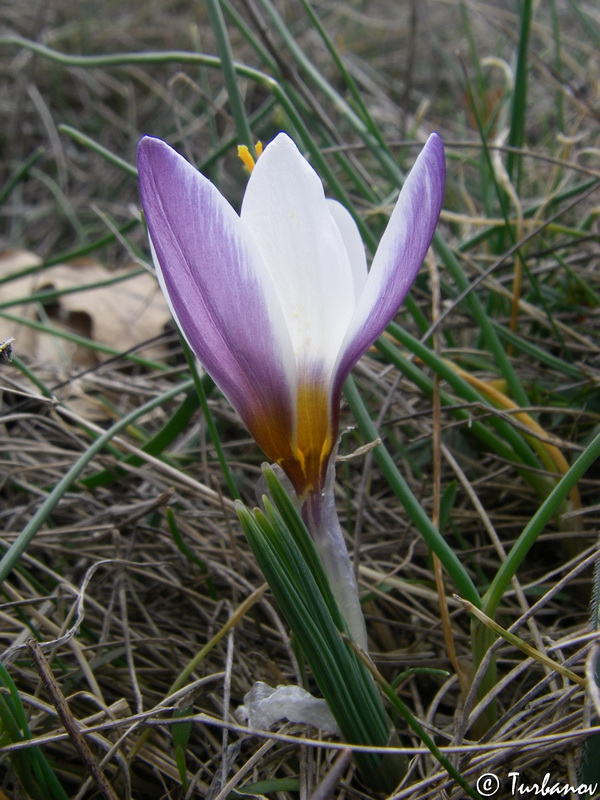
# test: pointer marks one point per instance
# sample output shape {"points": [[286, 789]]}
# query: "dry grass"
{"points": [[128, 612]]}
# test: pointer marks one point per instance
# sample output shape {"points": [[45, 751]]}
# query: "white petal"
{"points": [[286, 212], [354, 245]]}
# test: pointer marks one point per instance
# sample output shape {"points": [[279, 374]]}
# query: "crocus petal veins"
{"points": [[277, 303]]}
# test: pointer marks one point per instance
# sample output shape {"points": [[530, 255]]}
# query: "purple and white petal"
{"points": [[217, 286], [399, 256]]}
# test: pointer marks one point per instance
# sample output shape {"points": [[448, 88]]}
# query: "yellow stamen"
{"points": [[246, 157]]}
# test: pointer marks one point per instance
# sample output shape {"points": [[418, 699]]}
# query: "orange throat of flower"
{"points": [[303, 454]]}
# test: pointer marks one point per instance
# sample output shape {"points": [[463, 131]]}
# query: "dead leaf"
{"points": [[121, 315]]}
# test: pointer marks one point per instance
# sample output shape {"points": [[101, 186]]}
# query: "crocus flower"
{"points": [[277, 302]]}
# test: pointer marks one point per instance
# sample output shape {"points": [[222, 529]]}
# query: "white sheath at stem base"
{"points": [[321, 518]]}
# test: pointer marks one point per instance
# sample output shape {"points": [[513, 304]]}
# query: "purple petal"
{"points": [[220, 293], [398, 257]]}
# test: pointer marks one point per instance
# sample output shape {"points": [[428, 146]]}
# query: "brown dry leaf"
{"points": [[121, 315]]}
